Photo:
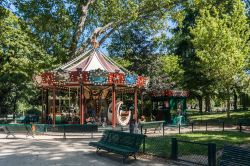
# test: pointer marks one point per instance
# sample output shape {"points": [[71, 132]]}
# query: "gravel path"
{"points": [[51, 151]]}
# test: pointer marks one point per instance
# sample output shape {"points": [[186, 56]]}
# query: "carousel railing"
{"points": [[67, 129], [62, 129]]}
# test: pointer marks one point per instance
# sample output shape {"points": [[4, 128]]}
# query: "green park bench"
{"points": [[12, 129], [70, 128], [244, 121], [122, 143], [232, 156], [156, 125]]}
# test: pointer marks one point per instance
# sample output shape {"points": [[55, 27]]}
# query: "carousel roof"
{"points": [[92, 60], [91, 68]]}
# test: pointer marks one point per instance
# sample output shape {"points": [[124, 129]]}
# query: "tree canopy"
{"points": [[21, 56]]}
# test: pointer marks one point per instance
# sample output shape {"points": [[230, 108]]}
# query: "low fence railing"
{"points": [[193, 152]]}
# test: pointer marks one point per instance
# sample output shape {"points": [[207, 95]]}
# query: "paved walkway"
{"points": [[52, 151]]}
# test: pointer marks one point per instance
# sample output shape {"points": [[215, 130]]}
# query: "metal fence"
{"points": [[220, 126], [193, 152], [157, 146]]}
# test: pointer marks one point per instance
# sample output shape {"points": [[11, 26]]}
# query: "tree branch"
{"points": [[93, 38], [142, 14], [106, 36], [80, 25]]}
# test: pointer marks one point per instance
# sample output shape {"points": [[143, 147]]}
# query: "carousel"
{"points": [[86, 89]]}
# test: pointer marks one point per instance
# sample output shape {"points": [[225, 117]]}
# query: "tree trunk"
{"points": [[80, 26], [228, 104], [235, 100], [207, 103], [244, 101], [200, 104]]}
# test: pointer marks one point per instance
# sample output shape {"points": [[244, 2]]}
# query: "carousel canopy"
{"points": [[91, 68], [92, 60]]}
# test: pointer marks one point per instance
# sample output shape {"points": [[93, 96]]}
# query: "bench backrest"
{"points": [[154, 124], [233, 156], [18, 128], [244, 122], [122, 138]]}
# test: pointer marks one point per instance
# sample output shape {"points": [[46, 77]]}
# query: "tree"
{"points": [[21, 57], [173, 69], [180, 44], [221, 42], [68, 27]]}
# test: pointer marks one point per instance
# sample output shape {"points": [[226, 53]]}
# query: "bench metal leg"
{"points": [[29, 134], [8, 134], [135, 156], [64, 135], [124, 159]]}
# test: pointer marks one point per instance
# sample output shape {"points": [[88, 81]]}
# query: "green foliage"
{"points": [[133, 44], [21, 57], [33, 111], [136, 45], [173, 69], [221, 43], [55, 22]]}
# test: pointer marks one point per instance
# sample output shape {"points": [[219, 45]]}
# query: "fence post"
{"points": [[223, 126], [144, 146], [163, 129], [211, 154], [179, 128], [240, 127], [92, 131], [192, 127], [174, 151], [64, 134]]}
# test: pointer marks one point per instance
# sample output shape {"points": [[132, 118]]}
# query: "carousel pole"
{"points": [[47, 106], [54, 105], [135, 105], [42, 118], [81, 104], [113, 106], [142, 103]]}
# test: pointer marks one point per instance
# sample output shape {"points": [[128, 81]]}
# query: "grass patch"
{"points": [[215, 118], [161, 146]]}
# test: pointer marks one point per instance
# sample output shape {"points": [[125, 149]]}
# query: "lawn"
{"points": [[215, 118], [161, 146]]}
